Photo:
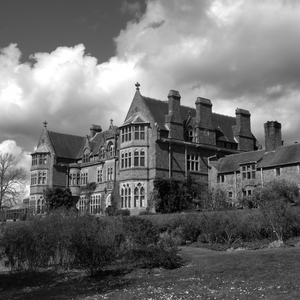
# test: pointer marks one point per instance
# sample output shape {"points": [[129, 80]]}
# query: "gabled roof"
{"points": [[136, 118], [283, 155], [223, 124], [42, 149], [231, 163], [66, 145]]}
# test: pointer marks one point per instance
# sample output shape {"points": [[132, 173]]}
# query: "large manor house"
{"points": [[159, 139]]}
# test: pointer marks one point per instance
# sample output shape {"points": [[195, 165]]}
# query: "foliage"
{"points": [[28, 245], [12, 180], [122, 212], [214, 199], [146, 247], [57, 197], [274, 201], [95, 242], [173, 195]]}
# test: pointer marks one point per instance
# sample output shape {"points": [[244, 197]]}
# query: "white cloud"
{"points": [[238, 53]]}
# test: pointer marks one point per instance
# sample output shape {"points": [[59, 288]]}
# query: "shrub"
{"points": [[95, 242], [28, 245], [122, 212]]}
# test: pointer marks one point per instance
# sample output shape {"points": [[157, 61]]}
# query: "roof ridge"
{"points": [[81, 136]]}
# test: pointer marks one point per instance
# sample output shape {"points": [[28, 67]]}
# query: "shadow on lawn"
{"points": [[68, 285]]}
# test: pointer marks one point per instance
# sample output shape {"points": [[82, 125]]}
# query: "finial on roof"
{"points": [[137, 86], [111, 123], [45, 124]]}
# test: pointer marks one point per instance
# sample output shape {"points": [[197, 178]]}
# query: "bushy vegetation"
{"points": [[86, 242], [174, 196]]}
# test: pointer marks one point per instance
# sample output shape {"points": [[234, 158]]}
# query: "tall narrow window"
{"points": [[191, 135], [99, 175], [136, 197], [142, 197], [34, 160], [142, 158], [110, 150], [101, 153], [136, 158]]}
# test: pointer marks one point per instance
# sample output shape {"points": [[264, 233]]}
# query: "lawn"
{"points": [[205, 274]]}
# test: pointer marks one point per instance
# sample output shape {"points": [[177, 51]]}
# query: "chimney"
{"points": [[94, 129], [272, 135], [204, 124], [173, 118], [243, 130]]}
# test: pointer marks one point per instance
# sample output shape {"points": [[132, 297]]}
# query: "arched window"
{"points": [[86, 156], [110, 150], [136, 158], [101, 153], [191, 134], [136, 197]]}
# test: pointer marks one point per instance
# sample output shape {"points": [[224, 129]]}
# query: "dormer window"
{"points": [[110, 150], [191, 134], [101, 153], [86, 156]]}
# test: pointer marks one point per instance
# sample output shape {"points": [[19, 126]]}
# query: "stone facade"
{"points": [[157, 139], [240, 174]]}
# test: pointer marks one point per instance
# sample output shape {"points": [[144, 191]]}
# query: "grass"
{"points": [[260, 274]]}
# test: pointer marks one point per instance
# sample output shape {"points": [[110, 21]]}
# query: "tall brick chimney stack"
{"points": [[204, 126], [272, 135], [243, 130], [173, 118]]}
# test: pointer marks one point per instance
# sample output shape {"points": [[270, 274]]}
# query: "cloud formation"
{"points": [[238, 53]]}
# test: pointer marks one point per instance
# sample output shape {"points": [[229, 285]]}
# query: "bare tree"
{"points": [[12, 180]]}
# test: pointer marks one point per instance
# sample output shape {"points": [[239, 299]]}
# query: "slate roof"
{"points": [[231, 163], [66, 145], [283, 155], [223, 124]]}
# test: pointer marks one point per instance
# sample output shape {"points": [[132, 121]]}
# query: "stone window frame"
{"points": [[110, 150], [139, 157], [191, 134], [136, 194], [84, 177], [74, 178], [33, 178], [221, 178], [86, 155], [42, 177], [95, 204], [101, 153], [81, 204], [126, 161], [248, 171], [99, 174], [139, 132], [110, 173], [193, 163], [126, 196], [126, 134]]}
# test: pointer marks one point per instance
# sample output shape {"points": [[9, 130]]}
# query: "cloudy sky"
{"points": [[74, 63]]}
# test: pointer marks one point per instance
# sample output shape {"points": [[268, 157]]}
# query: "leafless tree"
{"points": [[12, 180]]}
